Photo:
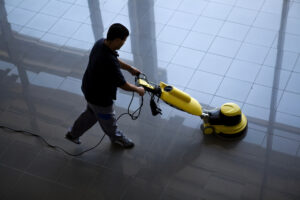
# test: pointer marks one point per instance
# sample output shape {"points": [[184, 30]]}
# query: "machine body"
{"points": [[227, 121]]}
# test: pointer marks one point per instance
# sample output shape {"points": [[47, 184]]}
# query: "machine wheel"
{"points": [[208, 130]]}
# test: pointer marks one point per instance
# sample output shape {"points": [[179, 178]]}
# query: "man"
{"points": [[99, 86]]}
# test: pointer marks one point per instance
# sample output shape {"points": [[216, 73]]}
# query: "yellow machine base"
{"points": [[226, 131]]}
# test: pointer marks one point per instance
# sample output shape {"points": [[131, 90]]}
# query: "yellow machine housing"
{"points": [[227, 121], [180, 99]]}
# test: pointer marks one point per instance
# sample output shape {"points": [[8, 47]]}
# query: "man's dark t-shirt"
{"points": [[102, 76]]}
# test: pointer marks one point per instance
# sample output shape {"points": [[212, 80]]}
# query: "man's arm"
{"points": [[130, 87], [134, 71]]}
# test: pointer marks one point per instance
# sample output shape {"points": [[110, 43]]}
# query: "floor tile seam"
{"points": [[268, 109], [66, 166], [254, 83], [178, 10], [287, 138], [55, 45], [68, 38], [223, 3], [275, 13], [244, 41], [274, 189], [33, 160], [62, 82], [26, 172], [274, 30], [232, 59], [179, 45], [188, 30], [11, 4], [277, 125], [205, 52], [280, 66], [13, 168], [58, 19], [204, 168], [191, 30], [8, 13], [16, 182], [268, 87], [93, 164], [39, 39], [241, 60], [290, 75], [61, 172], [233, 22], [36, 11], [227, 16], [240, 6], [225, 176], [239, 23], [18, 113], [261, 64], [56, 182], [183, 181], [164, 189], [249, 27], [230, 77], [190, 181], [60, 16], [247, 103], [45, 32], [163, 27], [286, 33], [232, 99], [217, 34], [126, 187], [116, 13], [5, 149], [287, 83], [21, 26], [170, 9], [295, 64], [182, 66], [247, 81]]}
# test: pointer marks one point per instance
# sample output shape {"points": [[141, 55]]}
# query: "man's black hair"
{"points": [[117, 31]]}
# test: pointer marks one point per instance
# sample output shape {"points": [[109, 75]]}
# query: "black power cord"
{"points": [[133, 116]]}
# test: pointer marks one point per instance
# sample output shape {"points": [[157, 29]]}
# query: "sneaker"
{"points": [[123, 141], [72, 138]]}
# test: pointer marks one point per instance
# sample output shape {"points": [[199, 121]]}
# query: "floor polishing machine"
{"points": [[228, 121]]}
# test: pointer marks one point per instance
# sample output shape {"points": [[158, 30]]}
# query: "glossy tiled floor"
{"points": [[242, 51]]}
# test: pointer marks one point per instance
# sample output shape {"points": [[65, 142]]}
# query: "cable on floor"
{"points": [[134, 115]]}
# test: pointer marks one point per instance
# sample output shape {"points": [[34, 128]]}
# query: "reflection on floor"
{"points": [[247, 52]]}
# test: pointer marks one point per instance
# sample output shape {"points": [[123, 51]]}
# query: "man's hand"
{"points": [[140, 91], [134, 71], [130, 87]]}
